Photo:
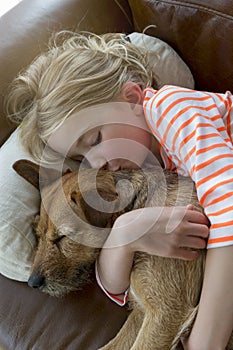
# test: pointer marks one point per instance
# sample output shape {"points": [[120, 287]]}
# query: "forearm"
{"points": [[114, 278], [214, 322], [115, 261]]}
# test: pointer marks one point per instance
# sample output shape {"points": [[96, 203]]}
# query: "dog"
{"points": [[72, 227]]}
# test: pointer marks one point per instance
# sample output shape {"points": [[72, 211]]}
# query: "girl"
{"points": [[90, 98]]}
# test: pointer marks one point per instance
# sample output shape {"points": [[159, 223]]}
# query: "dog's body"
{"points": [[164, 293]]}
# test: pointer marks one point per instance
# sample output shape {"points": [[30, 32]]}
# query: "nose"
{"points": [[113, 165], [36, 280], [96, 162]]}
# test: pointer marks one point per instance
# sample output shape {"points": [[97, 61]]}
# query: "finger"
{"points": [[197, 217], [197, 230], [194, 243]]}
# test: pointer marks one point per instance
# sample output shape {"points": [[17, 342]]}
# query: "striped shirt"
{"points": [[194, 130]]}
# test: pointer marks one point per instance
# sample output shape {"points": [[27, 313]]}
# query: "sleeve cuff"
{"points": [[119, 299]]}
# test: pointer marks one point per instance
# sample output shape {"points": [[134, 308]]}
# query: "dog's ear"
{"points": [[36, 175], [28, 170]]}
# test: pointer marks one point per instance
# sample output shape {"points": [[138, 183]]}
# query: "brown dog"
{"points": [[164, 292]]}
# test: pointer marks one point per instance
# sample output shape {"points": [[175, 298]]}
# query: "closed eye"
{"points": [[98, 139], [58, 239]]}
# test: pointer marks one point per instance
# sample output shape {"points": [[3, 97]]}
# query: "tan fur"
{"points": [[164, 292]]}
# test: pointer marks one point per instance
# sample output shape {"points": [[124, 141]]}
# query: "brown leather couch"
{"points": [[201, 31]]}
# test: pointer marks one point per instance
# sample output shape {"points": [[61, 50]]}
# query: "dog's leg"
{"points": [[154, 333], [125, 338], [148, 335]]}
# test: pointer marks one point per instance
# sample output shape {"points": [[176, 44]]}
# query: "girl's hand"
{"points": [[166, 231]]}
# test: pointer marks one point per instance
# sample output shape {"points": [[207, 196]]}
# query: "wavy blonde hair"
{"points": [[77, 71]]}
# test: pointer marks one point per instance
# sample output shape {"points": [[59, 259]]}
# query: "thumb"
{"points": [[190, 207]]}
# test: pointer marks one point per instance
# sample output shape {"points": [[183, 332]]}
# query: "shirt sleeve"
{"points": [[119, 299], [194, 128]]}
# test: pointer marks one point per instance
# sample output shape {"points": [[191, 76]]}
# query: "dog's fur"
{"points": [[164, 292]]}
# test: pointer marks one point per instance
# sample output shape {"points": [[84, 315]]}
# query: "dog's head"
{"points": [[77, 211]]}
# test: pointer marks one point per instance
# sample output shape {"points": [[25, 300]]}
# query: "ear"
{"points": [[132, 93], [36, 175], [28, 170]]}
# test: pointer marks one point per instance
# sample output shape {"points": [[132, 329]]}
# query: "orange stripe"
{"points": [[222, 128], [207, 178], [147, 98], [173, 92], [212, 160], [180, 128], [154, 131], [173, 120], [187, 138], [116, 298], [221, 99], [222, 224], [222, 211], [228, 120], [207, 136], [220, 199], [202, 199], [220, 239], [216, 117], [156, 95], [151, 106], [176, 102], [189, 154], [206, 149]]}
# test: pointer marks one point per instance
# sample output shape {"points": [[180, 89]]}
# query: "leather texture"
{"points": [[29, 319], [201, 33]]}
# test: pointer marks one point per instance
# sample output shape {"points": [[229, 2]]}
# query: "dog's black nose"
{"points": [[36, 281]]}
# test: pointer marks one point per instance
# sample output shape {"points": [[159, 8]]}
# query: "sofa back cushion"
{"points": [[199, 30]]}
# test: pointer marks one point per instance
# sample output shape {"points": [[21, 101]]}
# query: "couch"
{"points": [[201, 32]]}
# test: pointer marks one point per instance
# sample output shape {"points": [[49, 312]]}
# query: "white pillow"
{"points": [[19, 203], [167, 65], [19, 200]]}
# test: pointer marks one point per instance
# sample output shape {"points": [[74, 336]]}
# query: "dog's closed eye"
{"points": [[74, 197], [58, 239]]}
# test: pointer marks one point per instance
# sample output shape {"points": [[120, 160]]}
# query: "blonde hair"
{"points": [[77, 71]]}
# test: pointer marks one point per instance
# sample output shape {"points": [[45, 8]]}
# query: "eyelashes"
{"points": [[97, 140]]}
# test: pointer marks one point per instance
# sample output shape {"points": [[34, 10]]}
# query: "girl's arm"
{"points": [[149, 230], [214, 322]]}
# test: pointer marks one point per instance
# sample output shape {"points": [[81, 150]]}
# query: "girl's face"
{"points": [[110, 135], [113, 146]]}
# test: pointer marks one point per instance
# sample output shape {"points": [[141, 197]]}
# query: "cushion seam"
{"points": [[201, 7], [15, 228]]}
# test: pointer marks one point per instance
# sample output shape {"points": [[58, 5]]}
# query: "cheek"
{"points": [[141, 136]]}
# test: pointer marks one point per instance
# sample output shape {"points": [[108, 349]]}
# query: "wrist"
{"points": [[125, 231], [114, 268]]}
